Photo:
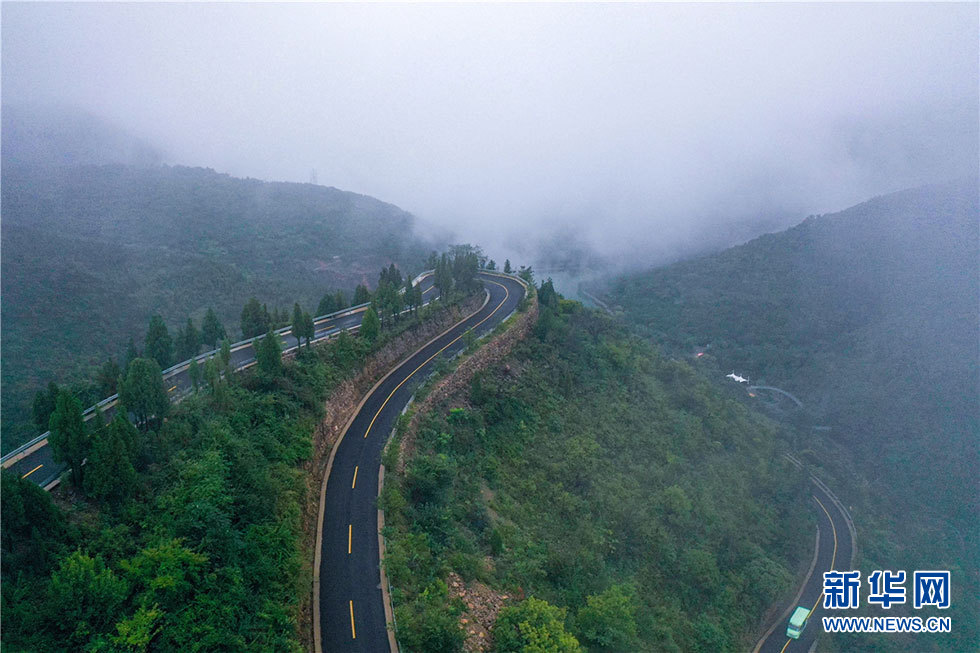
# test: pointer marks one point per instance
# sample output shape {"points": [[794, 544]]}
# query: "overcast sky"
{"points": [[644, 128]]}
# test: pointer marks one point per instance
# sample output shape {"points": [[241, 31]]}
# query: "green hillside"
{"points": [[869, 316], [589, 472], [91, 252]]}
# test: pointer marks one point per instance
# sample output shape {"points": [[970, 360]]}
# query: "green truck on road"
{"points": [[797, 622]]}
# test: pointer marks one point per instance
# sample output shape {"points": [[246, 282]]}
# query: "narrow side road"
{"points": [[351, 611]]}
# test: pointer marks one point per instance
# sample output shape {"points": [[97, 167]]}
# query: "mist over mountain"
{"points": [[91, 252], [869, 316], [643, 129], [57, 135], [882, 295]]}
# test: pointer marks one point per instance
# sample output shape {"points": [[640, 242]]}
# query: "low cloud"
{"points": [[642, 131]]}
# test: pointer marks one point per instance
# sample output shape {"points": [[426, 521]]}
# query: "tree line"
{"points": [[454, 276]]}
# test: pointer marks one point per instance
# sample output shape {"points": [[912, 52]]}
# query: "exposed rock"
{"points": [[482, 606]]}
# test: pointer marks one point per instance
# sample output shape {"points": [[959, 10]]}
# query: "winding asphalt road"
{"points": [[351, 610], [37, 463], [835, 551]]}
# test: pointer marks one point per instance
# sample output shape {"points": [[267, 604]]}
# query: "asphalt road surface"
{"points": [[351, 609], [834, 553], [38, 464]]}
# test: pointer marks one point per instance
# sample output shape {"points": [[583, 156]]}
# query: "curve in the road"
{"points": [[799, 404], [834, 545], [350, 613]]}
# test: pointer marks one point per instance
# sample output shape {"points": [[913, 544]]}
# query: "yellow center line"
{"points": [[350, 530], [833, 560], [32, 471], [504, 300], [353, 633], [354, 482]]}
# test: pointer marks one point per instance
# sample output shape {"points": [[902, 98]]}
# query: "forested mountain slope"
{"points": [[598, 492], [869, 316], [91, 252]]}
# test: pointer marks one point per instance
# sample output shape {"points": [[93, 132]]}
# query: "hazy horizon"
{"points": [[643, 131]]}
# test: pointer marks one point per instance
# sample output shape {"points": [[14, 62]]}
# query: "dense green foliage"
{"points": [[212, 330], [91, 252], [646, 510], [158, 344], [533, 626], [370, 325], [869, 316], [255, 319], [184, 535], [44, 404], [69, 439], [268, 355], [188, 536], [141, 391]]}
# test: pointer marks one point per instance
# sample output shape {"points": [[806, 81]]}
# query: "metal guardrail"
{"points": [[89, 412]]}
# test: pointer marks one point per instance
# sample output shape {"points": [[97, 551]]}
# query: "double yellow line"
{"points": [[502, 302]]}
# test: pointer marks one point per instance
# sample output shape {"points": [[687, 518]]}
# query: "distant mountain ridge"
{"points": [[55, 135], [870, 317], [793, 307], [91, 252]]}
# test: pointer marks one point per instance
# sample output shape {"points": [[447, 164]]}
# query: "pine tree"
{"points": [[69, 440], [547, 295], [361, 295], [255, 319], [299, 325], [211, 375], [212, 331], [158, 344], [107, 377], [44, 404], [370, 325], [225, 355], [492, 265], [110, 472], [328, 304], [444, 277], [188, 341], [507, 268], [408, 297], [309, 328], [526, 273], [268, 354], [142, 393], [194, 371]]}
